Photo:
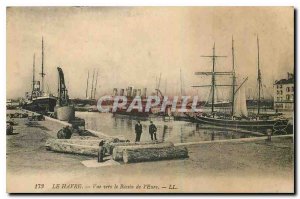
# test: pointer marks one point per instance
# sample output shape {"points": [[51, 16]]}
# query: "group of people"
{"points": [[139, 131]]}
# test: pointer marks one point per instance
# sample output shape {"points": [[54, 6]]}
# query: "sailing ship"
{"points": [[238, 118], [39, 100]]}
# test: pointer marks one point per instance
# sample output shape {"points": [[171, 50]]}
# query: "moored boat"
{"points": [[38, 100], [239, 115], [247, 123]]}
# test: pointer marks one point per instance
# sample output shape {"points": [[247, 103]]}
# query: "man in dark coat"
{"points": [[152, 130], [138, 131], [101, 151]]}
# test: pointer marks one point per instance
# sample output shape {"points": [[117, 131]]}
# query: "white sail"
{"points": [[240, 106]]}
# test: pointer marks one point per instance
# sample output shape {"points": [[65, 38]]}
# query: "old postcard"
{"points": [[150, 100]]}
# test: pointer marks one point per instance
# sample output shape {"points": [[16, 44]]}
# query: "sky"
{"points": [[132, 46]]}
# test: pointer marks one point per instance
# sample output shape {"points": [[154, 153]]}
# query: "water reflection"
{"points": [[164, 132], [175, 131], [213, 136]]}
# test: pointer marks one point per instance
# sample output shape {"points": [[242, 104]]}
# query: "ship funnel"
{"points": [[134, 93], [139, 92], [115, 92], [144, 94], [129, 91], [122, 92]]}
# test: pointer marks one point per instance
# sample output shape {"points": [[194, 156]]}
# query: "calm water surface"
{"points": [[175, 131]]}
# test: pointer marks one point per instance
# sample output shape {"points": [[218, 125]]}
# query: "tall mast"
{"points": [[166, 86], [258, 78], [92, 85], [87, 85], [213, 81], [213, 73], [33, 72], [213, 78], [96, 85], [181, 89], [42, 73], [158, 84], [233, 78], [58, 88]]}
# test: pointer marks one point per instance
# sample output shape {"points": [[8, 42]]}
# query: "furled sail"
{"points": [[209, 99], [219, 97], [240, 106]]}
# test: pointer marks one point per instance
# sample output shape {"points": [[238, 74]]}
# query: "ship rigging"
{"points": [[239, 116]]}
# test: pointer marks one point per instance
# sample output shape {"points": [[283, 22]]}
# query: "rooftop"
{"points": [[285, 81], [289, 80]]}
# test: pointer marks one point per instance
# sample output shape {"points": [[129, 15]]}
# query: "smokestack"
{"points": [[144, 92], [134, 93], [115, 92], [129, 91], [139, 92], [122, 92]]}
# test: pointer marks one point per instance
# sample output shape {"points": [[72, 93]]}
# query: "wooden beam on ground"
{"points": [[154, 154], [73, 141], [117, 154], [63, 147]]}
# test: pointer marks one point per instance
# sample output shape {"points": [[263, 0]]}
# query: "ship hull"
{"points": [[41, 105], [279, 124]]}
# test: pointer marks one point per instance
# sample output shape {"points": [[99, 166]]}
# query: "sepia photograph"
{"points": [[154, 99]]}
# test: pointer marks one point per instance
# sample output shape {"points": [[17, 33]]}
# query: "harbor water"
{"points": [[174, 131]]}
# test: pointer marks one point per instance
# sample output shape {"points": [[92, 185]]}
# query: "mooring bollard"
{"points": [[269, 134]]}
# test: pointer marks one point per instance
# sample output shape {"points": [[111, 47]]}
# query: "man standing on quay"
{"points": [[138, 131], [152, 130]]}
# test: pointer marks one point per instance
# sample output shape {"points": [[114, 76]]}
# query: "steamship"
{"points": [[37, 100], [131, 93]]}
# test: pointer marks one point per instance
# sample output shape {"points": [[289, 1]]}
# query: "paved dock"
{"points": [[254, 165]]}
